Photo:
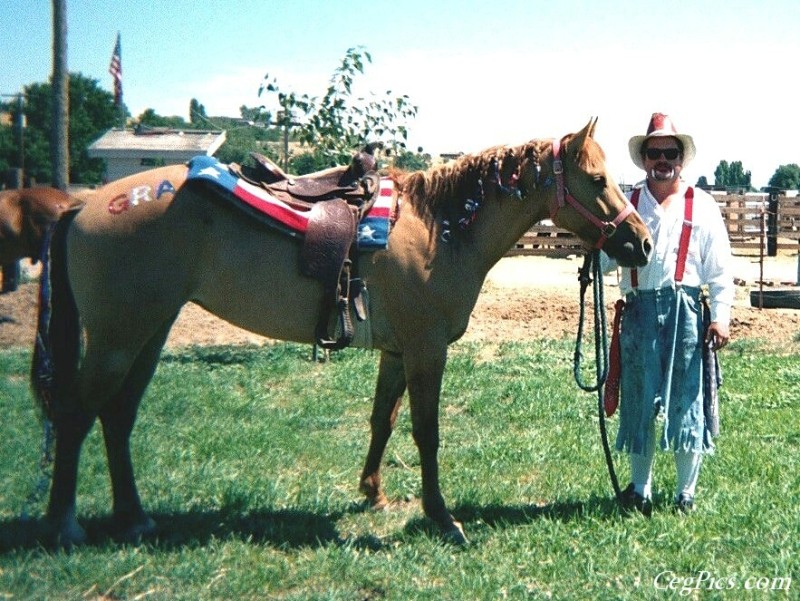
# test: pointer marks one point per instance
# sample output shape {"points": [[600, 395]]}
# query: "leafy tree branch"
{"points": [[338, 122]]}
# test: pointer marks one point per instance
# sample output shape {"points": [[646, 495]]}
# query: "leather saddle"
{"points": [[336, 199], [357, 183]]}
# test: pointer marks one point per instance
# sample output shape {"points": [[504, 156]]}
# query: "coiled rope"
{"points": [[591, 267]]}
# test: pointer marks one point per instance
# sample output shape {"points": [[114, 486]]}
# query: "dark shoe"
{"points": [[684, 503], [633, 501]]}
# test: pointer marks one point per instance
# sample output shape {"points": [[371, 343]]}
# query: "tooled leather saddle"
{"points": [[335, 200]]}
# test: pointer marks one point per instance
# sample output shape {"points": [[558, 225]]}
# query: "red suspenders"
{"points": [[615, 362], [683, 245]]}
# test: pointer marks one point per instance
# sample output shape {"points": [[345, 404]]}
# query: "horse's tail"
{"points": [[56, 352]]}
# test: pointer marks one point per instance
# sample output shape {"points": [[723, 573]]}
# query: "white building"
{"points": [[129, 151]]}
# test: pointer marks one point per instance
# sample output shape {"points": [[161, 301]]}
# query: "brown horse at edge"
{"points": [[119, 279]]}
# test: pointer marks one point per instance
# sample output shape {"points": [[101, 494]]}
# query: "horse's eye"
{"points": [[600, 181]]}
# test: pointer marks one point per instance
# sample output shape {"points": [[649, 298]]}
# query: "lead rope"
{"points": [[591, 266]]}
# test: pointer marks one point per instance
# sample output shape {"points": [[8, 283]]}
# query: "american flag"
{"points": [[115, 68]]}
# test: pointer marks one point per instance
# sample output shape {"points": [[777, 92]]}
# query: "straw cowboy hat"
{"points": [[660, 125]]}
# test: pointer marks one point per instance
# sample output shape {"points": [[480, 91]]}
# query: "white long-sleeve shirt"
{"points": [[708, 261]]}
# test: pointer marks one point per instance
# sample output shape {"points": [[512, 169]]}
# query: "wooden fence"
{"points": [[751, 223], [756, 220]]}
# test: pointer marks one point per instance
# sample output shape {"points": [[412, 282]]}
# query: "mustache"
{"points": [[662, 172]]}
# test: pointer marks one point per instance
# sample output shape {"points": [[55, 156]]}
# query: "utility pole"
{"points": [[59, 136], [21, 132]]}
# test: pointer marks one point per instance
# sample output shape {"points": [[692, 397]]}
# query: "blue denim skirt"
{"points": [[646, 343]]}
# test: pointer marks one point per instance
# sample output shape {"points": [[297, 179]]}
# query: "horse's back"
{"points": [[145, 245], [133, 199]]}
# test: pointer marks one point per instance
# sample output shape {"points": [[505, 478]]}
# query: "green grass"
{"points": [[248, 458]]}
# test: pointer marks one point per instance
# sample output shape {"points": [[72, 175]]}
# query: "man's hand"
{"points": [[718, 335]]}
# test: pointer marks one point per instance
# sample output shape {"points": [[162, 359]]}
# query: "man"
{"points": [[662, 337]]}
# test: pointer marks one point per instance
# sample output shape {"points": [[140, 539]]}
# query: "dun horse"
{"points": [[129, 261]]}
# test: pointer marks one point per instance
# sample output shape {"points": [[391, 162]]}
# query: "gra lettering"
{"points": [[165, 187], [138, 195], [119, 204], [141, 194]]}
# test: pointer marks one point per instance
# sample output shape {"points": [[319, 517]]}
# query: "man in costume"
{"points": [[662, 336]]}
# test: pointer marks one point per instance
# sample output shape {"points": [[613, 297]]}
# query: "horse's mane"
{"points": [[443, 189]]}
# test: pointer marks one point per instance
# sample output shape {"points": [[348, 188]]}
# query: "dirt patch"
{"points": [[524, 298]]}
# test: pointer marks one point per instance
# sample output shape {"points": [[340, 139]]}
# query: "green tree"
{"points": [[197, 114], [338, 123], [91, 112], [702, 182], [786, 177], [412, 161], [244, 136], [721, 173], [150, 118], [9, 140], [307, 162], [732, 175], [255, 114]]}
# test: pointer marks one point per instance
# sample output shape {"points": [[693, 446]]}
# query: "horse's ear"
{"points": [[586, 133], [590, 127]]}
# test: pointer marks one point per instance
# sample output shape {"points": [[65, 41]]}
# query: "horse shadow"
{"points": [[296, 528], [500, 516], [283, 528]]}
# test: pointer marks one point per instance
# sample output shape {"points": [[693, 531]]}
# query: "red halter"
{"points": [[607, 228]]}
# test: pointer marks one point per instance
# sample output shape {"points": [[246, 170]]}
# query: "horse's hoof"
{"points": [[376, 500], [136, 533], [380, 504], [455, 535], [69, 535]]}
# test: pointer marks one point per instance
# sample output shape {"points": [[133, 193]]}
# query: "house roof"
{"points": [[155, 143]]}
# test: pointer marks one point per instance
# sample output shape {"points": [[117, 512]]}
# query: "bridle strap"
{"points": [[563, 197]]}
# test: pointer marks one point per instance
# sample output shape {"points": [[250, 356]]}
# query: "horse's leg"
{"points": [[102, 373], [117, 419], [389, 392], [424, 371], [71, 430]]}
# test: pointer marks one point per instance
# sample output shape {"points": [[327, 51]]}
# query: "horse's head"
{"points": [[25, 215], [588, 202]]}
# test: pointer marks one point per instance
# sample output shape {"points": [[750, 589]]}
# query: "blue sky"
{"points": [[482, 73]]}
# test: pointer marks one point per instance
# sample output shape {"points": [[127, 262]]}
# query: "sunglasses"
{"points": [[669, 153]]}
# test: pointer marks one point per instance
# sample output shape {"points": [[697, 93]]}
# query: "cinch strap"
{"points": [[686, 234]]}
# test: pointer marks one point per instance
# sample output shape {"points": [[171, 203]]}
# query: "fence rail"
{"points": [[748, 218], [752, 220]]}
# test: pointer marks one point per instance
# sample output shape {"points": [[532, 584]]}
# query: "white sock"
{"points": [[687, 466], [642, 466]]}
